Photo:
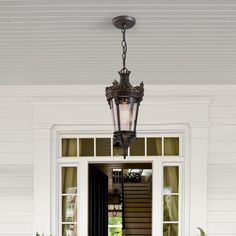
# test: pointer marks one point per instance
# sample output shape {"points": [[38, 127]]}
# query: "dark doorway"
{"points": [[98, 202], [127, 207]]}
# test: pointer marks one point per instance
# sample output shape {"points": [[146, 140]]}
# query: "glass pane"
{"points": [[124, 116], [69, 230], [69, 147], [170, 230], [171, 146], [170, 208], [103, 147], [134, 116], [171, 179], [86, 147], [127, 112], [69, 180], [114, 114], [154, 147], [137, 147], [69, 209], [117, 150]]}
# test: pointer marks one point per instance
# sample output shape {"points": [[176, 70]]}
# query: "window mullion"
{"points": [[180, 199], [83, 197], [157, 211]]}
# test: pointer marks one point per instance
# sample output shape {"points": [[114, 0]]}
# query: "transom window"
{"points": [[97, 147]]}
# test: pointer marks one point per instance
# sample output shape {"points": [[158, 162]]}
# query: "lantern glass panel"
{"points": [[114, 114], [127, 112], [134, 117]]}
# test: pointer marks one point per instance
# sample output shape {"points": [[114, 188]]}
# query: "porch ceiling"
{"points": [[66, 42]]}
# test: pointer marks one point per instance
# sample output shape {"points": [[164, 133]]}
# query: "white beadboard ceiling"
{"points": [[67, 42]]}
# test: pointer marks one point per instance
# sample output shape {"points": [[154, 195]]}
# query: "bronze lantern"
{"points": [[123, 98]]}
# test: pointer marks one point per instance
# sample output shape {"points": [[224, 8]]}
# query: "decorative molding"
{"points": [[142, 128], [41, 125], [66, 100], [224, 122], [99, 91], [200, 124], [98, 100], [178, 100]]}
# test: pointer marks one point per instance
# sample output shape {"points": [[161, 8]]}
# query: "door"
{"points": [[98, 202]]}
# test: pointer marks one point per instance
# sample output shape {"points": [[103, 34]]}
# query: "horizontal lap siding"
{"points": [[222, 167], [16, 167]]}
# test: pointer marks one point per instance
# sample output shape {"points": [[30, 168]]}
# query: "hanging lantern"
{"points": [[123, 98]]}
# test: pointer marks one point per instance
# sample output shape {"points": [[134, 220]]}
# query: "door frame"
{"points": [[46, 153], [157, 167], [98, 202]]}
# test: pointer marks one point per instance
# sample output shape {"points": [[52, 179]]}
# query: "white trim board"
{"points": [[99, 90]]}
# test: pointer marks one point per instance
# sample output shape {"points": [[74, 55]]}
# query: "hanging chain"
{"points": [[124, 48]]}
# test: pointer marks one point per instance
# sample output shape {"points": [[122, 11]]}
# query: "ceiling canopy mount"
{"points": [[121, 21]]}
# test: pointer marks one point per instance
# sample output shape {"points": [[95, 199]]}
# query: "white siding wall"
{"points": [[16, 163], [222, 167], [16, 167]]}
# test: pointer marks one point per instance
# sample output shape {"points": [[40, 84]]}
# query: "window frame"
{"points": [[60, 195]]}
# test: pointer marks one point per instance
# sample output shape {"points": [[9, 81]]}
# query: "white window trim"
{"points": [[58, 200], [48, 113], [158, 162]]}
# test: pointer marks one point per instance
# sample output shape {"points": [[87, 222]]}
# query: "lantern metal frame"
{"points": [[123, 90]]}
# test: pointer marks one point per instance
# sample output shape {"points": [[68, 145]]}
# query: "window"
{"points": [[167, 149], [170, 200], [68, 199], [97, 147]]}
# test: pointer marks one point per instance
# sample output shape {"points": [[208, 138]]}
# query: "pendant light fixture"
{"points": [[123, 98]]}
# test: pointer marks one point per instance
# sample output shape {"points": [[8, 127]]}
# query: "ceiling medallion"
{"points": [[123, 98]]}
